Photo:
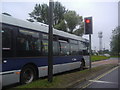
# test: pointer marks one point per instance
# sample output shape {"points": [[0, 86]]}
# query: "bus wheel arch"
{"points": [[29, 73]]}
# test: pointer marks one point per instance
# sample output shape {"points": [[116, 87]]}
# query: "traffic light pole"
{"points": [[50, 43], [88, 30], [90, 51]]}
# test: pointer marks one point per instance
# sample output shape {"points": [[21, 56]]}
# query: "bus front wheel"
{"points": [[28, 74]]}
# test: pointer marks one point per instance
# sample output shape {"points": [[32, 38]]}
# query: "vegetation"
{"points": [[72, 20], [65, 20], [115, 56], [115, 42], [98, 58]]}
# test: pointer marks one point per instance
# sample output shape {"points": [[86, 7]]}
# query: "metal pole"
{"points": [[90, 51], [50, 43]]}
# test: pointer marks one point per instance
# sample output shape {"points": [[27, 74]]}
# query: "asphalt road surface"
{"points": [[110, 79]]}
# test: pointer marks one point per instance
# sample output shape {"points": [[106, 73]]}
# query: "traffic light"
{"points": [[88, 25]]}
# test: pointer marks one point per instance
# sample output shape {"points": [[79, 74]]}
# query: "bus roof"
{"points": [[37, 26]]}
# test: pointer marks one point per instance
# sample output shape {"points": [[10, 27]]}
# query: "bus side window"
{"points": [[74, 49], [55, 48], [83, 48], [28, 43], [6, 41], [45, 47], [64, 49]]}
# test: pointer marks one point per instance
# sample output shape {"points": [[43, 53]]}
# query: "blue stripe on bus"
{"points": [[18, 63]]}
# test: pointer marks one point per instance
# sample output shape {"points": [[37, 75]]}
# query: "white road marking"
{"points": [[98, 81]]}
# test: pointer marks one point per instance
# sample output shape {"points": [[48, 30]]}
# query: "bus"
{"points": [[25, 51]]}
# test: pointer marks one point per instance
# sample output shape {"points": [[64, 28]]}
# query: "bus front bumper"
{"points": [[9, 77]]}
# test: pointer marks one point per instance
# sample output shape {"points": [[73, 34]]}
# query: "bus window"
{"points": [[64, 48], [73, 49], [7, 41], [28, 43], [83, 48], [44, 36], [55, 48], [45, 47]]}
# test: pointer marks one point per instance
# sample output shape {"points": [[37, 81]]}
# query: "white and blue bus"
{"points": [[25, 51]]}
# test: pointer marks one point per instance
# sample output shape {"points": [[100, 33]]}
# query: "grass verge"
{"points": [[67, 79], [115, 56], [98, 58]]}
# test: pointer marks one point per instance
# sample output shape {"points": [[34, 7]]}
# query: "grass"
{"points": [[98, 58], [64, 80], [115, 56]]}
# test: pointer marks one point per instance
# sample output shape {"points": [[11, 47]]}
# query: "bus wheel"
{"points": [[82, 66], [28, 74]]}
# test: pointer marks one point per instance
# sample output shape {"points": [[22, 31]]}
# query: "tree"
{"points": [[61, 26], [63, 19], [80, 31], [72, 20], [58, 11], [115, 41], [39, 14]]}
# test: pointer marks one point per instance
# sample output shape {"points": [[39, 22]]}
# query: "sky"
{"points": [[104, 13]]}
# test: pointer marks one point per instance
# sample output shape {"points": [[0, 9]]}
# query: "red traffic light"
{"points": [[87, 21], [88, 25]]}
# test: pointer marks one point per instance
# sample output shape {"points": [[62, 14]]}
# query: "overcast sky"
{"points": [[104, 13]]}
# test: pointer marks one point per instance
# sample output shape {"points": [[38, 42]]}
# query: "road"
{"points": [[109, 79]]}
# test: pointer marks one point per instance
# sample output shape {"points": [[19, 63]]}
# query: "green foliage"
{"points": [[80, 31], [61, 26], [58, 11], [115, 41], [98, 58], [40, 13], [63, 19], [72, 20]]}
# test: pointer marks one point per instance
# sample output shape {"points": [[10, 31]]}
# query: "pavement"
{"points": [[107, 61]]}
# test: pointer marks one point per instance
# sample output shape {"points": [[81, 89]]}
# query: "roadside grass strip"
{"points": [[98, 58], [66, 80]]}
